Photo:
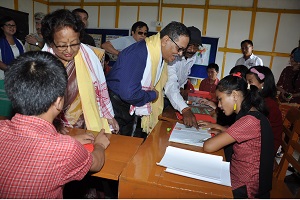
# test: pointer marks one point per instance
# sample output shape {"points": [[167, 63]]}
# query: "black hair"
{"points": [[213, 66], [58, 20], [3, 21], [106, 58], [139, 24], [80, 10], [269, 89], [34, 81], [174, 30], [294, 78], [247, 41], [239, 68], [252, 97]]}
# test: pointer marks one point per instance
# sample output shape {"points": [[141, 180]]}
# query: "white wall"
{"points": [[275, 33]]}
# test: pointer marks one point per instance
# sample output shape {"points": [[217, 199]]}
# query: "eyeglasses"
{"points": [[10, 25], [141, 33], [179, 49], [74, 47]]}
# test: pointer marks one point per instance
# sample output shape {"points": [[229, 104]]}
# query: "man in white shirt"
{"points": [[248, 59], [139, 31], [178, 72]]}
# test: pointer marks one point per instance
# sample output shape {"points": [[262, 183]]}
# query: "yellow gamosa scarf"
{"points": [[154, 49]]}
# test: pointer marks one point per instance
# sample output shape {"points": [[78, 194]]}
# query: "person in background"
{"points": [[251, 166], [35, 41], [136, 80], [36, 161], [289, 80], [84, 16], [263, 78], [248, 59], [10, 48], [209, 84], [87, 103], [178, 72], [139, 31]]}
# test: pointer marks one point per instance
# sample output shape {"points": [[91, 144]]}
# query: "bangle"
{"points": [[186, 109]]}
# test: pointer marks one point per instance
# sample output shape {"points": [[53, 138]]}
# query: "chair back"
{"points": [[291, 117], [291, 150]]}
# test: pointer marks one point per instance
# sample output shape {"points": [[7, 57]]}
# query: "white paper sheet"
{"points": [[190, 136], [196, 165]]}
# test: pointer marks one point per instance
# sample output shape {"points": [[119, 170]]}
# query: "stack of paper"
{"points": [[196, 165], [189, 135]]}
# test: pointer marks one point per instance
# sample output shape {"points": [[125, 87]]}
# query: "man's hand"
{"points": [[184, 93], [31, 39], [157, 93], [113, 122], [84, 138], [101, 139], [189, 118]]}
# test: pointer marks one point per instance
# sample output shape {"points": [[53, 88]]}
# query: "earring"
{"points": [[262, 87], [234, 107]]}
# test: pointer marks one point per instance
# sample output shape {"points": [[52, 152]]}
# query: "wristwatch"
{"points": [[37, 44]]}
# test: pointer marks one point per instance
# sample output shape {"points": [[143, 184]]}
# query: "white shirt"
{"points": [[250, 62], [178, 72], [122, 42], [16, 53]]}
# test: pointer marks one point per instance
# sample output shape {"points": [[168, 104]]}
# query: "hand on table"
{"points": [[189, 119], [214, 128], [102, 139], [85, 138], [113, 122]]}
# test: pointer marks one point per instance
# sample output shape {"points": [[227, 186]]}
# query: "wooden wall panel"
{"points": [[107, 16], [149, 14], [128, 16], [171, 14], [288, 32], [217, 25], [264, 31], [193, 17], [239, 28]]}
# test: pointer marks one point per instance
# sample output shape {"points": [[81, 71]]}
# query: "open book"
{"points": [[189, 135], [196, 165]]}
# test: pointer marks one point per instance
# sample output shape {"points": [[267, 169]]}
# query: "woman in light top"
{"points": [[87, 103], [10, 48]]}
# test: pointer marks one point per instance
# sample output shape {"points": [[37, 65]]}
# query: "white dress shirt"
{"points": [[178, 72], [250, 62]]}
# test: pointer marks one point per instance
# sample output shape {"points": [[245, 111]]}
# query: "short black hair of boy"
{"points": [[34, 81], [213, 66], [247, 41]]}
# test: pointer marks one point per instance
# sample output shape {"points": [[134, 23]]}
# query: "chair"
{"points": [[291, 146]]}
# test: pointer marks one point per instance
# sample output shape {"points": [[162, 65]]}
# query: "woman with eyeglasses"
{"points": [[248, 59], [86, 103], [289, 80], [139, 31], [10, 48]]}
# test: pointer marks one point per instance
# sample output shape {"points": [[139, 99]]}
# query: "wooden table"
{"points": [[142, 178], [120, 151]]}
